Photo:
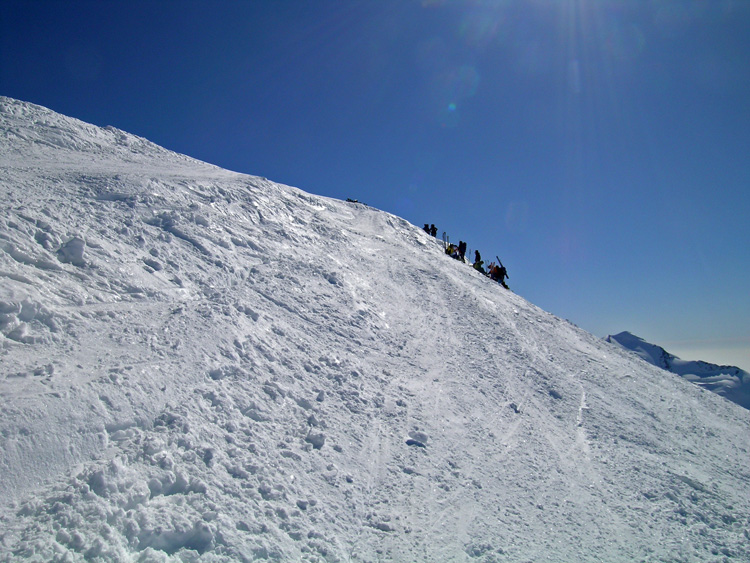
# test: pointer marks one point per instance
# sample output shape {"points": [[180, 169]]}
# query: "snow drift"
{"points": [[199, 365], [730, 382]]}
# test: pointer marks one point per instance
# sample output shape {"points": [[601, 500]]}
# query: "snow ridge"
{"points": [[730, 382], [199, 365]]}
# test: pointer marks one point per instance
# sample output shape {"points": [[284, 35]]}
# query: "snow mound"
{"points": [[199, 365], [730, 382]]}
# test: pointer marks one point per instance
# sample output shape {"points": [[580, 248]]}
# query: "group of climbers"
{"points": [[495, 272]]}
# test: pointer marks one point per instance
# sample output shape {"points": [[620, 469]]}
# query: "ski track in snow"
{"points": [[199, 365]]}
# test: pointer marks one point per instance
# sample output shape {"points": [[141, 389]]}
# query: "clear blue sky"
{"points": [[600, 147]]}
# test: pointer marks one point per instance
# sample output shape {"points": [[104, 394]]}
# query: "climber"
{"points": [[498, 274], [461, 250]]}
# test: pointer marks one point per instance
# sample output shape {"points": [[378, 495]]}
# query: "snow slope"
{"points": [[730, 382], [199, 365]]}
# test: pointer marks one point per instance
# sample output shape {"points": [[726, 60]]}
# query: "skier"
{"points": [[478, 267], [461, 250], [478, 262], [426, 228], [503, 274], [433, 230], [499, 273], [452, 251]]}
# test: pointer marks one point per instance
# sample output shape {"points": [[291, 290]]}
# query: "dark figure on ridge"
{"points": [[478, 262], [499, 273], [433, 230]]}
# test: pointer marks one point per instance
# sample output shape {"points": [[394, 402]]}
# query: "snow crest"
{"points": [[199, 365]]}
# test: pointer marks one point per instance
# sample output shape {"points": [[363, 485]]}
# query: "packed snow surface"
{"points": [[730, 382], [200, 365]]}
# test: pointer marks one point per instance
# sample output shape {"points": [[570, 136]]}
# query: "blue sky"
{"points": [[601, 148]]}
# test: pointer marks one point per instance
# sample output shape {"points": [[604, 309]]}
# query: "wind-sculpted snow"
{"points": [[199, 365]]}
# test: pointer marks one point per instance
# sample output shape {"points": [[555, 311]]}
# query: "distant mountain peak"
{"points": [[730, 382]]}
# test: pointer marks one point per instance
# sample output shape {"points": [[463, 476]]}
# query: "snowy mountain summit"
{"points": [[200, 365], [730, 382]]}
